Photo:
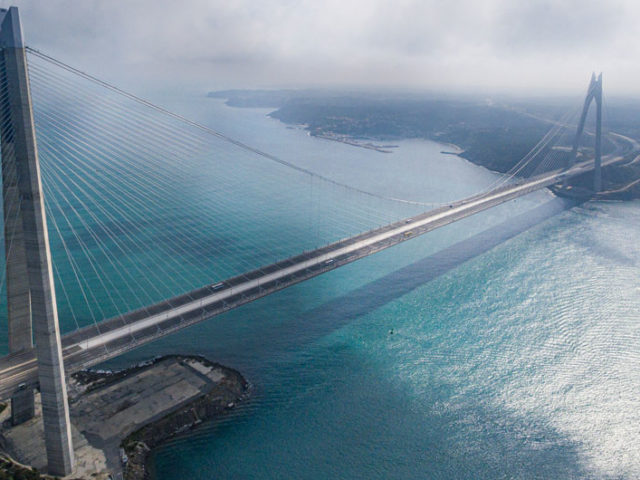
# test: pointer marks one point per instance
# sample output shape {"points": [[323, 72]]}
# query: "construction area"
{"points": [[118, 417]]}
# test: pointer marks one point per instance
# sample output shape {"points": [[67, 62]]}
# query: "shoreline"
{"points": [[490, 141], [139, 445], [118, 417], [454, 149], [354, 142], [622, 194]]}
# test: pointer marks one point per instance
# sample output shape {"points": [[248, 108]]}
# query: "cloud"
{"points": [[465, 44], [571, 26]]}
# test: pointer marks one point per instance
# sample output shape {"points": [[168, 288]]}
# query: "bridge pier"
{"points": [[594, 93], [20, 333], [29, 276], [597, 171], [22, 406]]}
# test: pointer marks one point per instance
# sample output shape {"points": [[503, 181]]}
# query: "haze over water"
{"points": [[521, 362]]}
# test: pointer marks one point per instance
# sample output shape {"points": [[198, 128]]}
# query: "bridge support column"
{"points": [[18, 296], [32, 271], [597, 171], [594, 93], [22, 406]]}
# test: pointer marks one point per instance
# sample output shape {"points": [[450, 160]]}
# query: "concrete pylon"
{"points": [[29, 272], [18, 295], [594, 93], [597, 172]]}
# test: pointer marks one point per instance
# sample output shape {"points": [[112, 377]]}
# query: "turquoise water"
{"points": [[512, 356]]}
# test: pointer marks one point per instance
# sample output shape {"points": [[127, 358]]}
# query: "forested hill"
{"points": [[492, 134]]}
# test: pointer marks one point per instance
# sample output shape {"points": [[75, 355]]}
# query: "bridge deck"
{"points": [[94, 344]]}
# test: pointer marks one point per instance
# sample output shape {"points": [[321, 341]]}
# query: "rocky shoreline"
{"points": [[136, 447], [118, 417]]}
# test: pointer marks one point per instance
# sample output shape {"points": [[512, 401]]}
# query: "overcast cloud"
{"points": [[430, 44]]}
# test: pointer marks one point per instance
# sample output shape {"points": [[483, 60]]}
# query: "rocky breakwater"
{"points": [[118, 417], [129, 412]]}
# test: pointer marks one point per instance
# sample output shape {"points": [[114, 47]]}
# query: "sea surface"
{"points": [[506, 345]]}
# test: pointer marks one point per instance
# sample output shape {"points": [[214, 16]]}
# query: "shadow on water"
{"points": [[410, 438], [338, 417], [296, 330]]}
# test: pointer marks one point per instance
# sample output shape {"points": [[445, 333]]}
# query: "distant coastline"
{"points": [[453, 149], [354, 142], [482, 132]]}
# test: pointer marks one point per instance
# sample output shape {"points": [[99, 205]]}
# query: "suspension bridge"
{"points": [[92, 175]]}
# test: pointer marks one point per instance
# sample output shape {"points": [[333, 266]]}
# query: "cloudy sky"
{"points": [[485, 45]]}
